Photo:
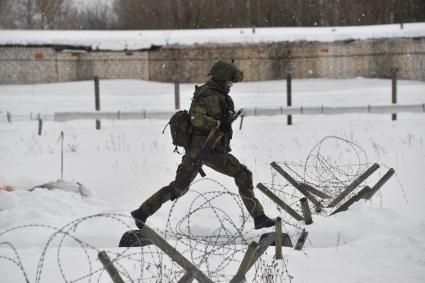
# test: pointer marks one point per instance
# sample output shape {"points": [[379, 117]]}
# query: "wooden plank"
{"points": [[354, 184], [279, 202]]}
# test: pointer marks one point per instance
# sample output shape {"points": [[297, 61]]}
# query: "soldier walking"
{"points": [[211, 107]]}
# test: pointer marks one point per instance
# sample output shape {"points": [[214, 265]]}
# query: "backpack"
{"points": [[180, 128]]}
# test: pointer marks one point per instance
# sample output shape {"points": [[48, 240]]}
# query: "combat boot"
{"points": [[263, 221], [139, 217]]}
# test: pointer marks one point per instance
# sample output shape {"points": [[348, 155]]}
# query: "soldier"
{"points": [[211, 107]]}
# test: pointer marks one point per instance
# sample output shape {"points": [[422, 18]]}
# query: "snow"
{"points": [[145, 39], [134, 95], [382, 240]]}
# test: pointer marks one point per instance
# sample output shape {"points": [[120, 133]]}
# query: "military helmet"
{"points": [[224, 71]]}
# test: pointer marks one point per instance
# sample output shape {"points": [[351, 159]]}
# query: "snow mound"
{"points": [[66, 187]]}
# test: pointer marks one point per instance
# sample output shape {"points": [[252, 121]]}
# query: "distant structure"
{"points": [[35, 62]]}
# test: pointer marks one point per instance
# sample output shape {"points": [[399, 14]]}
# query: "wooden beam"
{"points": [[263, 245], [243, 268], [279, 202], [301, 240], [380, 183], [354, 184], [187, 278], [109, 266], [297, 185], [361, 194], [315, 191], [306, 211], [278, 239], [149, 234]]}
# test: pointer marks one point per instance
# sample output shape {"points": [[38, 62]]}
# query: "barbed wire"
{"points": [[223, 243]]}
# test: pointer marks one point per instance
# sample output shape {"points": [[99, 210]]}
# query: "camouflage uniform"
{"points": [[211, 104]]}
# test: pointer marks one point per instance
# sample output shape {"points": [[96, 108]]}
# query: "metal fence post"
{"points": [[394, 90], [9, 117], [289, 96], [177, 95], [97, 99], [40, 125]]}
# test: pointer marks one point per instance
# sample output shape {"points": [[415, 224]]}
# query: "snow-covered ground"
{"points": [[382, 240], [134, 40]]}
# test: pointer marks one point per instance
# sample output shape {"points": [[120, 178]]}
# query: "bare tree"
{"points": [[98, 16], [166, 14]]}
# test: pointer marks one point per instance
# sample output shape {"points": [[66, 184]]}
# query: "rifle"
{"points": [[213, 139]]}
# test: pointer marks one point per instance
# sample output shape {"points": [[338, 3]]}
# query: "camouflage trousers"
{"points": [[224, 163]]}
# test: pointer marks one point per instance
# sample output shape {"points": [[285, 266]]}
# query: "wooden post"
{"points": [[299, 187], [263, 245], [109, 266], [279, 202], [40, 125], [289, 96], [380, 183], [354, 184], [187, 278], [149, 234], [394, 90], [363, 193], [301, 240], [243, 268], [177, 95], [278, 238], [97, 99], [306, 211]]}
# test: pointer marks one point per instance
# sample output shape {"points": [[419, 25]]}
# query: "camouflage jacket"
{"points": [[211, 104]]}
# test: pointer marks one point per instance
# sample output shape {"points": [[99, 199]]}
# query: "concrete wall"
{"points": [[344, 59], [45, 65], [367, 58]]}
